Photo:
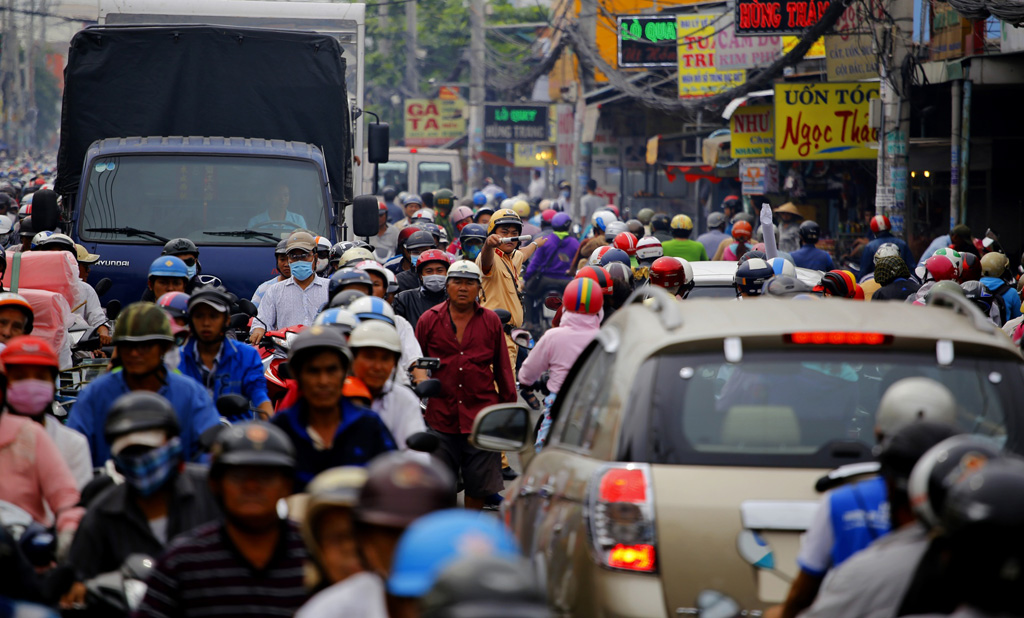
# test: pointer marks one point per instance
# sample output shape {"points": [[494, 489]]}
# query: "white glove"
{"points": [[766, 214], [768, 231]]}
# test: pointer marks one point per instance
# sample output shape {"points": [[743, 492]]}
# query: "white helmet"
{"points": [[943, 466], [46, 237], [465, 269], [375, 334], [544, 205], [423, 214], [914, 399], [392, 281], [602, 218], [507, 203], [614, 228], [375, 267], [887, 249], [356, 254], [649, 249], [782, 267], [687, 270], [372, 308]]}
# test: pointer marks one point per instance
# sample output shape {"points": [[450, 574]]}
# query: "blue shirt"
{"points": [[257, 296], [867, 258], [809, 256], [238, 370], [289, 216], [195, 411], [1010, 297], [860, 514], [938, 243]]}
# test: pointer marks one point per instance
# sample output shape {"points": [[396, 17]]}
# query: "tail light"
{"points": [[621, 518]]}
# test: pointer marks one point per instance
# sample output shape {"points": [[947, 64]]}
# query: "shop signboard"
{"points": [[849, 53], [566, 139], [816, 52], [515, 123], [758, 176], [746, 52], [820, 121], [755, 17], [432, 122], [948, 32], [647, 41], [752, 133], [698, 75]]}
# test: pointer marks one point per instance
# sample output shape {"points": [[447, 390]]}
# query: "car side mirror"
{"points": [[113, 309], [365, 216], [103, 286], [501, 427], [378, 142]]}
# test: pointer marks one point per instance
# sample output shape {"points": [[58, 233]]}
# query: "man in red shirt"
{"points": [[470, 342]]}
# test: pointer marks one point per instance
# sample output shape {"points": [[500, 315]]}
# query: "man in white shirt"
{"points": [[537, 186], [296, 300]]}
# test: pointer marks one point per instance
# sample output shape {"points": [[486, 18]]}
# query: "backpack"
{"points": [[999, 303]]}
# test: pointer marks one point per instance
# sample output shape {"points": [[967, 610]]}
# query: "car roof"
{"points": [[720, 273]]}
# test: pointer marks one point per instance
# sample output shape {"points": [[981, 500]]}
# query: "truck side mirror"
{"points": [[378, 141], [365, 215]]}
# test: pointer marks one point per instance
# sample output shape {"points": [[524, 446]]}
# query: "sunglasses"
{"points": [[298, 257], [189, 261]]}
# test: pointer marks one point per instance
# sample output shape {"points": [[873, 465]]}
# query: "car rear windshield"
{"points": [[207, 199], [434, 176], [713, 291], [807, 408], [394, 174]]}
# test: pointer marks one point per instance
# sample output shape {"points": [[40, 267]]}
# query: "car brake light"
{"points": [[838, 338], [620, 518], [413, 151]]}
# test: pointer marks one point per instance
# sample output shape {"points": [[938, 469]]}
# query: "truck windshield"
{"points": [[434, 176], [210, 200], [394, 174]]}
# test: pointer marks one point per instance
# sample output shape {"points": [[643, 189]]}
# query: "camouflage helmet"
{"points": [[444, 200], [141, 322]]}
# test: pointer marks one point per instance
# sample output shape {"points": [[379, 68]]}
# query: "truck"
{"points": [[224, 133], [417, 170]]}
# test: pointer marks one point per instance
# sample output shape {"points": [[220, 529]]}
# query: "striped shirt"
{"points": [[204, 574]]}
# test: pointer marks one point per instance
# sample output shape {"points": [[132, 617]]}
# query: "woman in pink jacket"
{"points": [[558, 349]]}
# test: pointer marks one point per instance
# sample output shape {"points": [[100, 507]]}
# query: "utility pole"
{"points": [[412, 77], [9, 79], [891, 187], [587, 20], [477, 92]]}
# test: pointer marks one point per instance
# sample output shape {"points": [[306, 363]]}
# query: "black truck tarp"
{"points": [[145, 81]]}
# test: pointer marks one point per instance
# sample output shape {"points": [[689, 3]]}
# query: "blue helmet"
{"points": [[168, 266], [346, 277], [175, 304], [479, 199], [616, 255], [412, 199], [372, 308], [336, 317], [473, 230], [436, 540], [500, 197]]}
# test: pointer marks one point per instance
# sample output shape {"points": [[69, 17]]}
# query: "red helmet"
{"points": [[382, 208], [29, 350], [355, 388], [613, 209], [583, 296], [595, 257], [602, 276], [668, 273], [405, 234], [432, 255], [942, 268], [880, 223], [548, 215], [839, 283], [742, 231], [627, 242]]}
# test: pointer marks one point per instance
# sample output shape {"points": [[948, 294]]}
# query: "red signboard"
{"points": [[778, 16]]}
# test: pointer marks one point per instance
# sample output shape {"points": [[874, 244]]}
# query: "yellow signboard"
{"points": [[533, 155], [818, 121], [817, 49], [698, 76], [432, 122], [752, 132]]}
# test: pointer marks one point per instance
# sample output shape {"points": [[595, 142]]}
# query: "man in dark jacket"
{"points": [[432, 268], [892, 274]]}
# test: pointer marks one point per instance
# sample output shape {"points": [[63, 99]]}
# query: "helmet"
{"points": [[375, 334], [751, 275], [782, 266], [785, 286], [372, 267], [560, 222], [460, 214], [681, 222], [645, 215], [942, 268], [661, 222], [346, 277], [175, 304], [716, 220], [880, 223], [479, 586], [505, 216], [49, 240], [282, 247], [839, 283], [252, 443], [372, 308], [411, 199], [887, 249], [29, 350], [583, 296], [334, 487], [317, 338], [168, 266], [991, 504], [142, 322], [733, 202], [355, 254], [424, 214], [180, 246], [627, 242], [810, 231], [595, 257], [432, 255], [404, 235], [994, 264], [479, 198], [506, 203], [616, 255], [598, 274], [344, 298], [950, 287], [635, 228], [400, 488], [81, 253], [471, 231], [522, 208], [444, 199], [465, 269], [668, 273], [742, 231], [26, 230], [389, 193], [433, 542], [338, 250], [648, 249], [613, 229], [420, 239], [943, 466], [620, 272], [914, 399], [136, 412], [17, 301], [977, 293], [601, 219], [354, 388], [612, 208], [900, 452], [340, 319]]}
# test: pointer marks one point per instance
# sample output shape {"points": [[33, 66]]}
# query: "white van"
{"points": [[417, 170]]}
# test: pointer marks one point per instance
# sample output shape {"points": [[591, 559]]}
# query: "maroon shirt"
{"points": [[468, 370]]}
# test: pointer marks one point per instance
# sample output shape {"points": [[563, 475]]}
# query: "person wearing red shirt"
{"points": [[470, 342]]}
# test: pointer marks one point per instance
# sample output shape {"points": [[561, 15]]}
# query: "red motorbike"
{"points": [[273, 350]]}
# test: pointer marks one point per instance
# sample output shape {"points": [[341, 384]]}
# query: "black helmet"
{"points": [[140, 411], [900, 452], [661, 222], [751, 275], [345, 297], [484, 586], [942, 467], [317, 338], [389, 194], [810, 231], [753, 253], [213, 295], [346, 277], [635, 227], [339, 249], [400, 488], [252, 443], [180, 246], [471, 231], [420, 239], [976, 292], [282, 247]]}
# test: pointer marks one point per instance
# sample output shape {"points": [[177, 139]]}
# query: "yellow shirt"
{"points": [[499, 285]]}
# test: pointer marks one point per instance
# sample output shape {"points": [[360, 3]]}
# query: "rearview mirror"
{"points": [[501, 427], [522, 338], [239, 320], [232, 406], [378, 142], [423, 442], [428, 388], [553, 303], [113, 309], [103, 286], [365, 216], [245, 306], [504, 315]]}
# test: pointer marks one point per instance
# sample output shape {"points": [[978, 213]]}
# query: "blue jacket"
{"points": [[238, 371], [860, 514], [1010, 297], [867, 258], [809, 256], [195, 411], [361, 436]]}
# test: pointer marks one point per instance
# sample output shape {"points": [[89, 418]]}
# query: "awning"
{"points": [[493, 159], [690, 172]]}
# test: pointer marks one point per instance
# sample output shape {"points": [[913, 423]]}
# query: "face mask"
{"points": [[434, 283], [472, 252], [148, 472], [321, 265], [192, 271], [414, 259], [302, 270], [29, 397], [565, 194]]}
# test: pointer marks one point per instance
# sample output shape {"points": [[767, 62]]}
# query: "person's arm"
{"points": [[536, 363], [80, 419], [77, 456], [266, 316], [802, 593], [814, 560], [204, 416], [254, 385], [528, 250], [57, 483], [502, 365], [867, 261], [722, 246], [487, 254]]}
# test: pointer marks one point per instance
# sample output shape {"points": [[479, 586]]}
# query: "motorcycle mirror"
{"points": [[245, 306], [232, 406], [715, 604], [755, 550], [113, 309], [503, 315], [553, 303], [522, 338], [423, 442], [208, 437], [428, 388], [239, 320], [138, 566], [103, 286]]}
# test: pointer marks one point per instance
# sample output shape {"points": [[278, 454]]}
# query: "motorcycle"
{"points": [[117, 593]]}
